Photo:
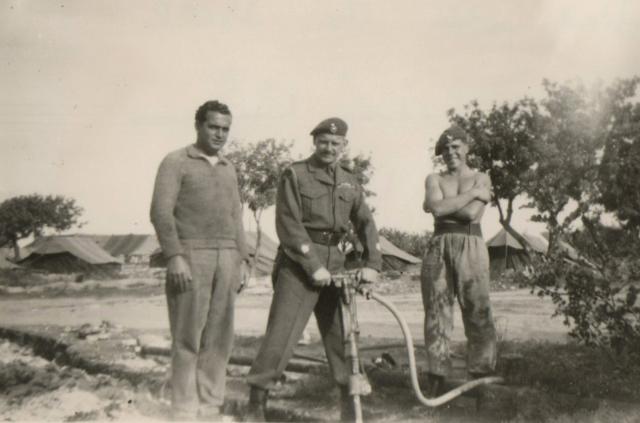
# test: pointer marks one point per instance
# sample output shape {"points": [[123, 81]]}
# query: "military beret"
{"points": [[332, 125], [454, 132]]}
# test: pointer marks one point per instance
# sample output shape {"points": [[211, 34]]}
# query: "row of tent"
{"points": [[106, 254]]}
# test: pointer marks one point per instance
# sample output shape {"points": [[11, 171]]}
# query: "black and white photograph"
{"points": [[320, 211]]}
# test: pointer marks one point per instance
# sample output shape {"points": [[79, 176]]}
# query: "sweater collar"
{"points": [[195, 153]]}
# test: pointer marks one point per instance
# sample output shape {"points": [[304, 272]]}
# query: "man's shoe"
{"points": [[209, 413], [257, 407], [183, 416], [347, 409]]}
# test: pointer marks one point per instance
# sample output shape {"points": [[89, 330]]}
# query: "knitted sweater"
{"points": [[196, 204]]}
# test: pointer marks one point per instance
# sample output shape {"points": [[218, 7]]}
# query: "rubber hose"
{"points": [[429, 402]]}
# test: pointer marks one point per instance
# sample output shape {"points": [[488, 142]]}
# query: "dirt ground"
{"points": [[519, 315], [32, 388]]}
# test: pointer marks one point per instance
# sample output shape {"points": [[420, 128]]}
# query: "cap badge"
{"points": [[333, 128]]}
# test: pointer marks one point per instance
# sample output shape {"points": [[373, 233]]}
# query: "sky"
{"points": [[95, 93]]}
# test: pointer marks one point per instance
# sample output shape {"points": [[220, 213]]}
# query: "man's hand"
{"points": [[482, 193], [369, 275], [482, 189], [179, 274], [245, 272], [321, 277]]}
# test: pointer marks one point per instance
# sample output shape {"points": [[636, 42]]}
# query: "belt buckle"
{"points": [[326, 237]]}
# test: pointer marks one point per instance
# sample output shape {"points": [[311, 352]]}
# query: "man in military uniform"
{"points": [[316, 200], [456, 263]]}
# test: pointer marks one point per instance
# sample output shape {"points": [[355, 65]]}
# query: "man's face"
{"points": [[329, 147], [454, 153], [213, 132]]}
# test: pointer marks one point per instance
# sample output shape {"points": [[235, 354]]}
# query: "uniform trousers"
{"points": [[294, 299], [457, 266], [201, 322]]}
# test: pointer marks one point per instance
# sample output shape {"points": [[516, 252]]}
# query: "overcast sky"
{"points": [[94, 93]]}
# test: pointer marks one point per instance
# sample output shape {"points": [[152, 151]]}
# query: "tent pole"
{"points": [[506, 255]]}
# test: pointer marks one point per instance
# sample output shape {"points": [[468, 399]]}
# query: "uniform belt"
{"points": [[329, 238], [442, 228]]}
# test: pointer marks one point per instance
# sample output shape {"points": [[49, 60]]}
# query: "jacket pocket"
{"points": [[346, 197], [315, 204]]}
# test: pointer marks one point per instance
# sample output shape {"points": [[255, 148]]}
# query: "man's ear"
{"points": [[346, 142]]}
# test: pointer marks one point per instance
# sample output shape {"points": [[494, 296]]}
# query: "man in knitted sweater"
{"points": [[197, 216]]}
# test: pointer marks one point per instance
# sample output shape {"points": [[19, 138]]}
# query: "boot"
{"points": [[347, 410], [257, 406], [435, 384]]}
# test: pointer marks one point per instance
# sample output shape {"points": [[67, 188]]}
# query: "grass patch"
{"points": [[602, 414], [578, 370]]}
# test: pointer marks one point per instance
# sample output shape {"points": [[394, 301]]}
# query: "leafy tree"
{"points": [[362, 168], [619, 172], [259, 166], [570, 136], [504, 147], [23, 216], [599, 301]]}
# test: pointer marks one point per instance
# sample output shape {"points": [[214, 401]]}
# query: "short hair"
{"points": [[211, 106]]}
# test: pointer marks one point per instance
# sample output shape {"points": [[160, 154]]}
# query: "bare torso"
{"points": [[453, 184]]}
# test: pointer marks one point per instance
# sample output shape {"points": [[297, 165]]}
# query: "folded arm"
{"points": [[465, 206], [435, 202], [475, 208]]}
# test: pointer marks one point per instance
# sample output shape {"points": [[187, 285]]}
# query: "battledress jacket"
{"points": [[312, 197]]}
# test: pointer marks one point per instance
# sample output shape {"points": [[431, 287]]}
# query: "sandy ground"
{"points": [[519, 314], [35, 389]]}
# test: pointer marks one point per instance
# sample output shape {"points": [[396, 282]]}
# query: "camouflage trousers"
{"points": [[457, 266]]}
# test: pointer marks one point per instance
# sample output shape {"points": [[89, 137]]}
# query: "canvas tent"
{"points": [[393, 257], [130, 248], [70, 254], [268, 251], [506, 252], [266, 259]]}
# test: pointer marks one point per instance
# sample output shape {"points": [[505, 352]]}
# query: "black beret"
{"points": [[332, 125], [454, 132]]}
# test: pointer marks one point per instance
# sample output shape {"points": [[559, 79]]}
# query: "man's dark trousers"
{"points": [[294, 299]]}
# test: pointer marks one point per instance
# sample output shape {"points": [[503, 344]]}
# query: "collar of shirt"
{"points": [[211, 159], [195, 153]]}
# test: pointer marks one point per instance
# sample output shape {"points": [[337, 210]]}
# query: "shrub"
{"points": [[600, 306]]}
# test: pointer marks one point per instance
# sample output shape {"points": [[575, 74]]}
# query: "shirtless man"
{"points": [[456, 263]]}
